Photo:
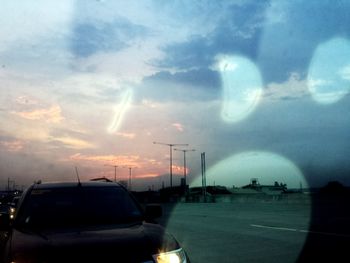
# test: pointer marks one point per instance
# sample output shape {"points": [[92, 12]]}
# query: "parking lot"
{"points": [[254, 232], [259, 230]]}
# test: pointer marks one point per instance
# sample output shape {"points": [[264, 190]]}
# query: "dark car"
{"points": [[86, 222]]}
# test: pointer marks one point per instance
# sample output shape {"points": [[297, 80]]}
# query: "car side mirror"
{"points": [[153, 211], [4, 222]]}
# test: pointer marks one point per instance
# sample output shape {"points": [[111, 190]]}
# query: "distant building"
{"points": [[256, 188]]}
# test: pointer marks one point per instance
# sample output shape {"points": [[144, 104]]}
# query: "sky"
{"points": [[262, 87]]}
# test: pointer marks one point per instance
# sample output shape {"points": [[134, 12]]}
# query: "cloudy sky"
{"points": [[260, 86]]}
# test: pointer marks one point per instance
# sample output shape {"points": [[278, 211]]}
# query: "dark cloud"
{"points": [[238, 31], [289, 46], [203, 78], [180, 86], [91, 37], [278, 48]]}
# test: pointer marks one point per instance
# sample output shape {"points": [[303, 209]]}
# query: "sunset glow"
{"points": [[92, 84]]}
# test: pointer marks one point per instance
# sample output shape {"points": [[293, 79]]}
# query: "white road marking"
{"points": [[300, 230]]}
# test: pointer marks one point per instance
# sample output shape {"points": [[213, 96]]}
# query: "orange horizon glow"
{"points": [[122, 160], [180, 169], [149, 175], [49, 115]]}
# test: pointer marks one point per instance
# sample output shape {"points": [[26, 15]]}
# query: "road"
{"points": [[251, 232]]}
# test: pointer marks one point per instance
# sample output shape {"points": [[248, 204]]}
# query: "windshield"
{"points": [[233, 113], [45, 208]]}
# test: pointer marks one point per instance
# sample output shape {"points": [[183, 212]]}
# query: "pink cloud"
{"points": [[50, 115], [12, 146], [178, 126], [120, 160], [126, 135], [148, 175]]}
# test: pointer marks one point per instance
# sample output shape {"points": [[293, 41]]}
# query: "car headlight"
{"points": [[175, 256], [12, 212]]}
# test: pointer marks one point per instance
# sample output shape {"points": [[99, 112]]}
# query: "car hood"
{"points": [[130, 243]]}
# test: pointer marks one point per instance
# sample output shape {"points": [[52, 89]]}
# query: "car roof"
{"points": [[53, 185]]}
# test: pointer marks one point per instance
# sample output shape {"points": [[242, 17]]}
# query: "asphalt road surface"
{"points": [[256, 232]]}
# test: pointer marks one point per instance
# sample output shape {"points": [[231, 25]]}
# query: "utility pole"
{"points": [[185, 151], [171, 157]]}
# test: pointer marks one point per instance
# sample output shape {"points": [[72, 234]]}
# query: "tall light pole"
{"points": [[115, 171], [129, 167], [171, 157], [130, 178], [185, 151], [204, 177]]}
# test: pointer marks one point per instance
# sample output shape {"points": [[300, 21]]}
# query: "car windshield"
{"points": [[234, 114], [65, 207]]}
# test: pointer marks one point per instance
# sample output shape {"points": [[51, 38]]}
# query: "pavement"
{"points": [[258, 231]]}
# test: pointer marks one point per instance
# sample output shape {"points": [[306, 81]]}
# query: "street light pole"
{"points": [[171, 157], [184, 151], [115, 171], [129, 184], [129, 178], [171, 165]]}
